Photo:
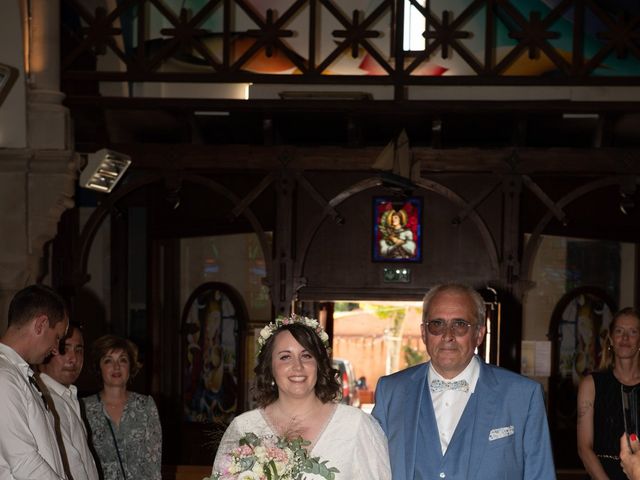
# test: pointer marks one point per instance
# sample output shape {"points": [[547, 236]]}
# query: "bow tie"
{"points": [[440, 385]]}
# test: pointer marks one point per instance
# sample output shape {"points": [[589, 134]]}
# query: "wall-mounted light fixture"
{"points": [[104, 169], [8, 77]]}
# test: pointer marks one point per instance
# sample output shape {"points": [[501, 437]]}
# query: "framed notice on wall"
{"points": [[397, 229]]}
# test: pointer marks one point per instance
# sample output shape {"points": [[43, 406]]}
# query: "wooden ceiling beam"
{"points": [[587, 161], [404, 107]]}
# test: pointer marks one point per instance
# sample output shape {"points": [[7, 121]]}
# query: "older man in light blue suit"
{"points": [[456, 417]]}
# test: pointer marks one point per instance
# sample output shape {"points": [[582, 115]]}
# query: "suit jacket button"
{"points": [[442, 474]]}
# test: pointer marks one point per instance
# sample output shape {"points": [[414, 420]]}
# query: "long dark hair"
{"points": [[327, 386]]}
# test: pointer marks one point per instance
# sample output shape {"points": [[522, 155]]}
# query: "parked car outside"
{"points": [[347, 377]]}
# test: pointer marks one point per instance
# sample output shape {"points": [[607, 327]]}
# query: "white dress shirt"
{"points": [[448, 405], [82, 466], [28, 446]]}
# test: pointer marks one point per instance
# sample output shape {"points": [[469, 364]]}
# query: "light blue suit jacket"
{"points": [[502, 435]]}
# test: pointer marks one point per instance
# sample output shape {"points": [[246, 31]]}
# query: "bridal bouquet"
{"points": [[271, 458]]}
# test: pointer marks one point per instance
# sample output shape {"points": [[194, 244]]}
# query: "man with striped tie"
{"points": [[456, 417]]}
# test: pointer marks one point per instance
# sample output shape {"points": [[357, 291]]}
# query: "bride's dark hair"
{"points": [[327, 386]]}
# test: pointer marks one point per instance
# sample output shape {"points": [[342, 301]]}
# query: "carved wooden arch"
{"points": [[531, 249], [373, 182], [97, 217]]}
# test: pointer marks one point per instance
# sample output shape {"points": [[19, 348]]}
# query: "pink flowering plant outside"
{"points": [[271, 458]]}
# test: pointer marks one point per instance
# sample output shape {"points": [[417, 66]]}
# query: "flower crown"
{"points": [[312, 323]]}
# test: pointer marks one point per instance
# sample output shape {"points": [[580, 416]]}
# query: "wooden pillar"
{"points": [[511, 301], [282, 290], [511, 237]]}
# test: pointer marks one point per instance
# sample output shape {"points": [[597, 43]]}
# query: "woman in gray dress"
{"points": [[124, 426]]}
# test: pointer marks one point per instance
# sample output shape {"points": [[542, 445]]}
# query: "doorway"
{"points": [[378, 338]]}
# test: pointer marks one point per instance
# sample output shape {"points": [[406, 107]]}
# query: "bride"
{"points": [[296, 391]]}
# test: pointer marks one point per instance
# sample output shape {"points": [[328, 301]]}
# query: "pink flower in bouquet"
{"points": [[277, 454], [244, 451], [270, 458]]}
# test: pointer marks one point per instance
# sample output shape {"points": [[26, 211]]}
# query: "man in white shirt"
{"points": [[28, 447], [488, 422], [58, 373]]}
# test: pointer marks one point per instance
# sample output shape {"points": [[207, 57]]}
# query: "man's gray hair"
{"points": [[456, 288]]}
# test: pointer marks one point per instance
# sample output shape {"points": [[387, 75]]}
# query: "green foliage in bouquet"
{"points": [[272, 458]]}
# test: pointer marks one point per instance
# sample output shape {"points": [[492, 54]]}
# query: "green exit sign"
{"points": [[396, 275]]}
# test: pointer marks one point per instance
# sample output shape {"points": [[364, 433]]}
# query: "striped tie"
{"points": [[34, 382]]}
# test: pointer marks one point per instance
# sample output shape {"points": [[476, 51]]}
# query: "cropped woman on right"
{"points": [[600, 395]]}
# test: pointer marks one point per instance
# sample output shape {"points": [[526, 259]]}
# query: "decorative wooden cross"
{"points": [[269, 32], [622, 35], [101, 30], [356, 33], [445, 34], [183, 32], [534, 33]]}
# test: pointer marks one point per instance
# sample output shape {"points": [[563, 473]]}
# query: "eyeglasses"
{"points": [[459, 327]]}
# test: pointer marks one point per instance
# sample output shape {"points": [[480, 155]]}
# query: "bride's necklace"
{"points": [[307, 424], [296, 417]]}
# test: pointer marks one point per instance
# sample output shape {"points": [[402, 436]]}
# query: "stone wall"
{"points": [[38, 166]]}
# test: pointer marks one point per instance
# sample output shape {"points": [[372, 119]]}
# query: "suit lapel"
{"points": [[487, 406], [413, 393], [429, 417]]}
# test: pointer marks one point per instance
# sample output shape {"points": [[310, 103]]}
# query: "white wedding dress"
{"points": [[352, 441]]}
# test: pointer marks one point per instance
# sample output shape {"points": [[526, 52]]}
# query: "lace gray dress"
{"points": [[138, 438]]}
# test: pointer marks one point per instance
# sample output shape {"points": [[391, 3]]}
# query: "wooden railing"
{"points": [[325, 41]]}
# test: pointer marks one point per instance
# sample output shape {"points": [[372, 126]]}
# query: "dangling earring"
{"points": [[273, 383]]}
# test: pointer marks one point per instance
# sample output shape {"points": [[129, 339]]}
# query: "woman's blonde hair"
{"points": [[608, 357]]}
